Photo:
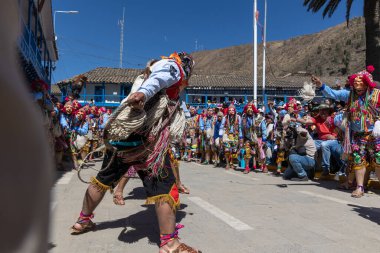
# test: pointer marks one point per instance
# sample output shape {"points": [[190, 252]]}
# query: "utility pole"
{"points": [[121, 23]]}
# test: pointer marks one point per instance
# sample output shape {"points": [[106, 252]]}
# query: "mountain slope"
{"points": [[336, 51]]}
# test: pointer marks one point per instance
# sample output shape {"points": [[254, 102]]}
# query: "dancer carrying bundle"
{"points": [[138, 134]]}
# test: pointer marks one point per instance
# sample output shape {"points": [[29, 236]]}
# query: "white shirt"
{"points": [[164, 74]]}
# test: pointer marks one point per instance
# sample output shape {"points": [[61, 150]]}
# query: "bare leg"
{"points": [[216, 158], [254, 161], [181, 188], [359, 175], [215, 155], [247, 169], [189, 152], [227, 155], [264, 166], [166, 222], [207, 160], [118, 192], [75, 160], [203, 156], [91, 200], [83, 155]]}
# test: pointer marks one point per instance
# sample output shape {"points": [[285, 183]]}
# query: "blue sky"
{"points": [[154, 28]]}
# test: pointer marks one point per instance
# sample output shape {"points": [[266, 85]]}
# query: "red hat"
{"points": [[76, 104], [292, 103], [67, 104], [366, 77], [82, 112], [252, 106]]}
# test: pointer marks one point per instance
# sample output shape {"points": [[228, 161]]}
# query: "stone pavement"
{"points": [[226, 212]]}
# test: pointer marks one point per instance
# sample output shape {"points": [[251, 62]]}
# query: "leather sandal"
{"points": [[85, 224], [181, 248], [359, 192], [347, 186]]}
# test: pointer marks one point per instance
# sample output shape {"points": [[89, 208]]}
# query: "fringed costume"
{"points": [[232, 134], [362, 131]]}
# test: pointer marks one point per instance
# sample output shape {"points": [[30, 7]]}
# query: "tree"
{"points": [[372, 25]]}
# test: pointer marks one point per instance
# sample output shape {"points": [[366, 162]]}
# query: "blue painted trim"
{"points": [[104, 92], [121, 91], [84, 91]]}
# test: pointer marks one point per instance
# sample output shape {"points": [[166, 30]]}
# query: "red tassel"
{"points": [[370, 68], [352, 79]]}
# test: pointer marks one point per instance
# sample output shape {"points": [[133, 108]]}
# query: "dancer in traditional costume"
{"points": [[232, 135], [217, 143], [261, 134], [192, 134], [284, 140], [138, 134], [118, 197], [206, 130], [93, 131], [78, 137], [248, 125], [362, 133]]}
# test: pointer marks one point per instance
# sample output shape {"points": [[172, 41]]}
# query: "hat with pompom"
{"points": [[366, 77]]}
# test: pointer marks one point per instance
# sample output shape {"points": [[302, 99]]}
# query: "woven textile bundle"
{"points": [[126, 120], [177, 126]]}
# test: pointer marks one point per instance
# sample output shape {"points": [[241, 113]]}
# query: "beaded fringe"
{"points": [[100, 186], [164, 198]]}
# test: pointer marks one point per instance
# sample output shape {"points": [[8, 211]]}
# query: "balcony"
{"points": [[34, 54], [100, 100]]}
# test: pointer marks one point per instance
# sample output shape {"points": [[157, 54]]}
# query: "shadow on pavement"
{"points": [[369, 213], [68, 167], [136, 193], [140, 225], [328, 184]]}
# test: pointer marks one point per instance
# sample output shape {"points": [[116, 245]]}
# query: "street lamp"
{"points": [[67, 12]]}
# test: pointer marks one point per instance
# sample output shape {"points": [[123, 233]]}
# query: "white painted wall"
{"points": [[112, 92]]}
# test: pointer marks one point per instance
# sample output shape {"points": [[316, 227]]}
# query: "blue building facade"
{"points": [[37, 46], [109, 86]]}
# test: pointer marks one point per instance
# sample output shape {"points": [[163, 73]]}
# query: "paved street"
{"points": [[225, 212]]}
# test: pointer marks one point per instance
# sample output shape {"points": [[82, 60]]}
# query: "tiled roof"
{"points": [[108, 75], [54, 89], [229, 81], [119, 76]]}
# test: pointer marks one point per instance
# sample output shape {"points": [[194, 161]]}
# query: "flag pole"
{"points": [[264, 45], [255, 52]]}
